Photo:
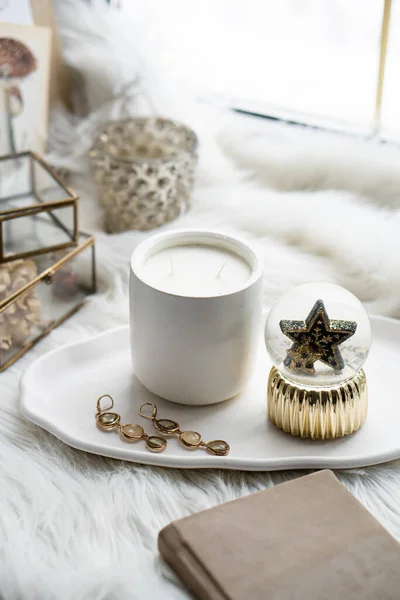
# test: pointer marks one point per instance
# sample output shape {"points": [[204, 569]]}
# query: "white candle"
{"points": [[196, 270], [195, 309]]}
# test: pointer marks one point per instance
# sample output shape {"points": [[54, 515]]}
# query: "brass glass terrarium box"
{"points": [[47, 267], [38, 213]]}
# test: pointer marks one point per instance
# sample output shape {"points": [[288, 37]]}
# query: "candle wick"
{"points": [[172, 266], [220, 271]]}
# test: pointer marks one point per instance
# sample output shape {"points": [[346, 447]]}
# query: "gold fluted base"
{"points": [[318, 413]]}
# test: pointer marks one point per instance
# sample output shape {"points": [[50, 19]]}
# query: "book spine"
{"points": [[182, 560]]}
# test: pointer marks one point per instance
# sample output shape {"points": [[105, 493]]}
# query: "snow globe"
{"points": [[318, 337]]}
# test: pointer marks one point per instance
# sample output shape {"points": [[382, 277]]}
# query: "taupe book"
{"points": [[307, 539]]}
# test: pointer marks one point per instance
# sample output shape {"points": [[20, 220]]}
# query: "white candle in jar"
{"points": [[197, 270], [195, 309]]}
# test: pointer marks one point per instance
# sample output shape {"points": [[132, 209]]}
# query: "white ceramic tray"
{"points": [[59, 393]]}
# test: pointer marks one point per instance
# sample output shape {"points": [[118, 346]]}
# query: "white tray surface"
{"points": [[59, 393]]}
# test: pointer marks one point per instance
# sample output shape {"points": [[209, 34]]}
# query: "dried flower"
{"points": [[16, 320]]}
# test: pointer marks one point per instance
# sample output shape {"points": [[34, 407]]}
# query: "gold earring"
{"points": [[130, 432], [189, 439]]}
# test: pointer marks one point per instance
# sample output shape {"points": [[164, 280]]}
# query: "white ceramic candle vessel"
{"points": [[195, 311]]}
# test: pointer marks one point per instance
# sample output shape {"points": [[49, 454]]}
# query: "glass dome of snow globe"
{"points": [[318, 335]]}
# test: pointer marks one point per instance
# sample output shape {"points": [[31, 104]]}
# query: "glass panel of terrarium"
{"points": [[46, 187], [67, 288], [30, 233], [15, 182]]}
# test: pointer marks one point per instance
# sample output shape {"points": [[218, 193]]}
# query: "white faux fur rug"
{"points": [[319, 206]]}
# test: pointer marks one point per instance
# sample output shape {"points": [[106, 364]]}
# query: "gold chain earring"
{"points": [[189, 439], [130, 432]]}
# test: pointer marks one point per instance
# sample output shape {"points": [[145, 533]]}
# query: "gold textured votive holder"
{"points": [[317, 413], [145, 170]]}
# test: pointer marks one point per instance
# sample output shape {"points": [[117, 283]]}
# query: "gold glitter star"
{"points": [[316, 338]]}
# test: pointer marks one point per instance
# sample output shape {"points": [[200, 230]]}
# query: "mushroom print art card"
{"points": [[24, 87]]}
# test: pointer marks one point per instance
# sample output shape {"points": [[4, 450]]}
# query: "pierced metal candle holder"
{"points": [[145, 169]]}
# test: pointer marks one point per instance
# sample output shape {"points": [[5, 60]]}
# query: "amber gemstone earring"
{"points": [[191, 440], [108, 420]]}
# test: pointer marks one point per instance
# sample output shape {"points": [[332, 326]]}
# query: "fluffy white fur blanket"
{"points": [[319, 206]]}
